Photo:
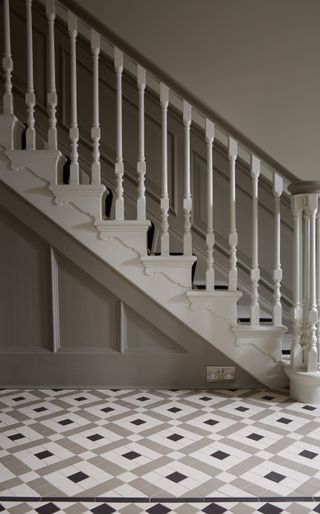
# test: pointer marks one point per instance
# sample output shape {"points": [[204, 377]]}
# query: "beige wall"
{"points": [[254, 62]]}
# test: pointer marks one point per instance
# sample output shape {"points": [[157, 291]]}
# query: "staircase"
{"points": [[183, 295]]}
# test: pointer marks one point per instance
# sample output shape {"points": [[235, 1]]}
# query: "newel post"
{"points": [[304, 372]]}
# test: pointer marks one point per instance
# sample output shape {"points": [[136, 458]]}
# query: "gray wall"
{"points": [[254, 62]]}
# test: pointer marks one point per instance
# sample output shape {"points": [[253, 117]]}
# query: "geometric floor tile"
{"points": [[134, 451]]}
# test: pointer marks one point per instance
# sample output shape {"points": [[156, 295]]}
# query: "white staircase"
{"points": [[210, 313]]}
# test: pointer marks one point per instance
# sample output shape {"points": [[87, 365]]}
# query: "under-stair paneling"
{"points": [[25, 292], [88, 313], [140, 336], [111, 332]]}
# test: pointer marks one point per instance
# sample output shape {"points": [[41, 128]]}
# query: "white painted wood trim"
{"points": [[123, 328], [55, 301]]}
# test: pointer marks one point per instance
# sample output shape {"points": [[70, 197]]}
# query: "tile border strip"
{"points": [[145, 499]]}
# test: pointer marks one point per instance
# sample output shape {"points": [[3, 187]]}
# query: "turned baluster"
{"points": [[187, 200], [277, 270], [210, 232], [255, 271], [296, 350], [73, 131], [52, 94], [7, 62], [318, 276], [141, 165], [164, 100], [233, 234], [30, 98], [310, 312], [119, 166], [95, 130]]}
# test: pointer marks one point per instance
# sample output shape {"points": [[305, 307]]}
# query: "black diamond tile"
{"points": [[65, 422], [56, 390], [15, 437], [242, 409], [317, 508], [285, 421], [40, 409], [220, 455], [114, 390], [78, 477], [175, 437], [174, 409], [275, 477], [308, 407], [176, 477], [138, 422], [2, 508], [49, 508], [205, 398], [103, 509], [268, 398], [213, 508], [211, 422], [95, 437], [18, 398], [107, 409], [131, 455], [43, 455], [158, 509], [268, 508], [143, 399], [255, 437], [80, 398], [308, 454]]}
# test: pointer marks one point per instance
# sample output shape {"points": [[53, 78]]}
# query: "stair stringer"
{"points": [[216, 330]]}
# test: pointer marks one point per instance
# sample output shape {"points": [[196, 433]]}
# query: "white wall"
{"points": [[254, 62]]}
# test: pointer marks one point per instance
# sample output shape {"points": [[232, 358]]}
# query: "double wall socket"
{"points": [[220, 373]]}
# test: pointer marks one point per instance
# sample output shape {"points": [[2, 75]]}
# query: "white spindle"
{"points": [[277, 270], [95, 130], [73, 131], [164, 100], [233, 234], [255, 271], [318, 276], [141, 165], [52, 94], [119, 166], [306, 284], [296, 350], [187, 200], [7, 62], [210, 232], [30, 98], [311, 311]]}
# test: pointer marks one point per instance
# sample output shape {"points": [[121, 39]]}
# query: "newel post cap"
{"points": [[304, 187]]}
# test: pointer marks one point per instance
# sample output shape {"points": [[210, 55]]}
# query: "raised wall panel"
{"points": [[140, 336], [25, 292], [89, 317]]}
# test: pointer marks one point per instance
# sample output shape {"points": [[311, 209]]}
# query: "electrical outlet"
{"points": [[220, 373]]}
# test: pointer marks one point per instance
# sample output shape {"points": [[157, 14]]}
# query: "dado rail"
{"points": [[90, 197]]}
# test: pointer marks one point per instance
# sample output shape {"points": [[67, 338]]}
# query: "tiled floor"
{"points": [[160, 451]]}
